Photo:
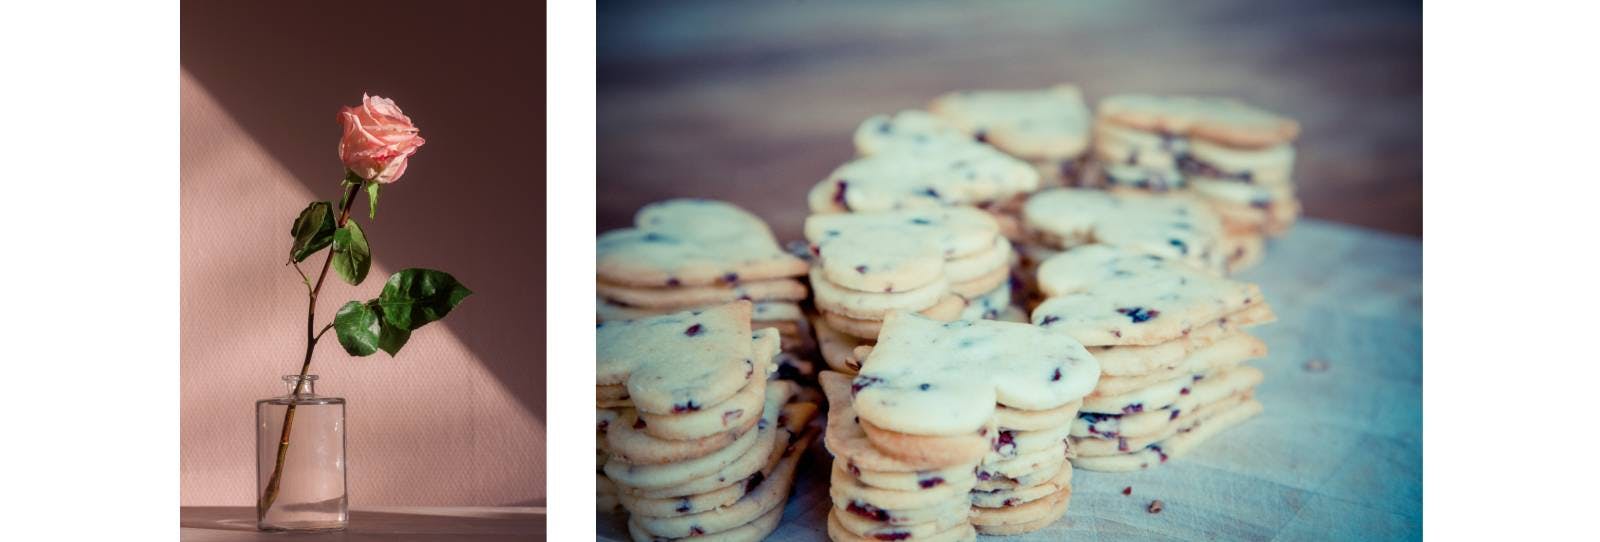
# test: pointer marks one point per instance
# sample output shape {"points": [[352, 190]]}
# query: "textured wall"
{"points": [[458, 418]]}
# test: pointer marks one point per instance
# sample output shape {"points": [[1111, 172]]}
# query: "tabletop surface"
{"points": [[375, 524], [1337, 455]]}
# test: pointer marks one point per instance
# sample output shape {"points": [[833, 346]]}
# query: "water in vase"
{"points": [[311, 493]]}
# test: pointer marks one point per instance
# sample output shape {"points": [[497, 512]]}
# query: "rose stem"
{"points": [[271, 493]]}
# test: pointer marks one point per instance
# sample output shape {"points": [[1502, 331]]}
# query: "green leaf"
{"points": [[372, 200], [357, 326], [351, 180], [391, 338], [312, 231], [351, 255], [414, 297]]}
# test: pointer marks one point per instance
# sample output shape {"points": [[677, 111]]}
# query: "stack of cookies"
{"points": [[699, 442], [939, 262], [694, 253], [1238, 158], [1047, 128], [1169, 340], [953, 429]]}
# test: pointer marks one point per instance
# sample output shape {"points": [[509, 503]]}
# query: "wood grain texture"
{"points": [[753, 102], [1337, 455]]}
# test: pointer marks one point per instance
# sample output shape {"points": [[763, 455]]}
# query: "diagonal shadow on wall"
{"points": [[470, 75]]}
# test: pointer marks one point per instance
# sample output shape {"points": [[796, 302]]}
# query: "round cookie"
{"points": [[868, 529], [873, 305], [998, 522], [1045, 472], [692, 242], [1016, 419], [1051, 507], [958, 505], [983, 284], [850, 445], [838, 533], [751, 463], [767, 493], [914, 481], [1025, 463], [911, 128], [755, 531], [949, 308], [1002, 498], [926, 377], [628, 442], [678, 473], [687, 504], [846, 489], [929, 450], [978, 265], [1011, 443]]}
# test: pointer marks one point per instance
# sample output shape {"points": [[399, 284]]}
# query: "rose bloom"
{"points": [[378, 139]]}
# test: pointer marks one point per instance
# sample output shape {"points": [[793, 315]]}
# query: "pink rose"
{"points": [[378, 139]]}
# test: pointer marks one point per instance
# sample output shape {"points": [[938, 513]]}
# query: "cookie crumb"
{"points": [[1127, 490], [1155, 506], [1316, 366]]}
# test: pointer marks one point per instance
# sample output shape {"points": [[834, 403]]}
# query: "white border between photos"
{"points": [[570, 193], [1511, 380], [89, 230]]}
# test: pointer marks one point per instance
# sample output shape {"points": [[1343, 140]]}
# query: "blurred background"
{"points": [[754, 102], [458, 418]]}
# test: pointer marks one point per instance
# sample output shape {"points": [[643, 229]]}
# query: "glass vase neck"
{"points": [[305, 385]]}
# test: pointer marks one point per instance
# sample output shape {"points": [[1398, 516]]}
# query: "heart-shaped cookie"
{"points": [[926, 377], [692, 242], [678, 363], [1108, 296]]}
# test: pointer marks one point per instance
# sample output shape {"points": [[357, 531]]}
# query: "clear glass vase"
{"points": [[310, 492]]}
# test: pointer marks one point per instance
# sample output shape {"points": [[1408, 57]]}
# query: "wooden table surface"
{"points": [[1337, 454], [377, 524], [754, 102]]}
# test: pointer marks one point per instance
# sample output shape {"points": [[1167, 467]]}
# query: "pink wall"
{"points": [[458, 418]]}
